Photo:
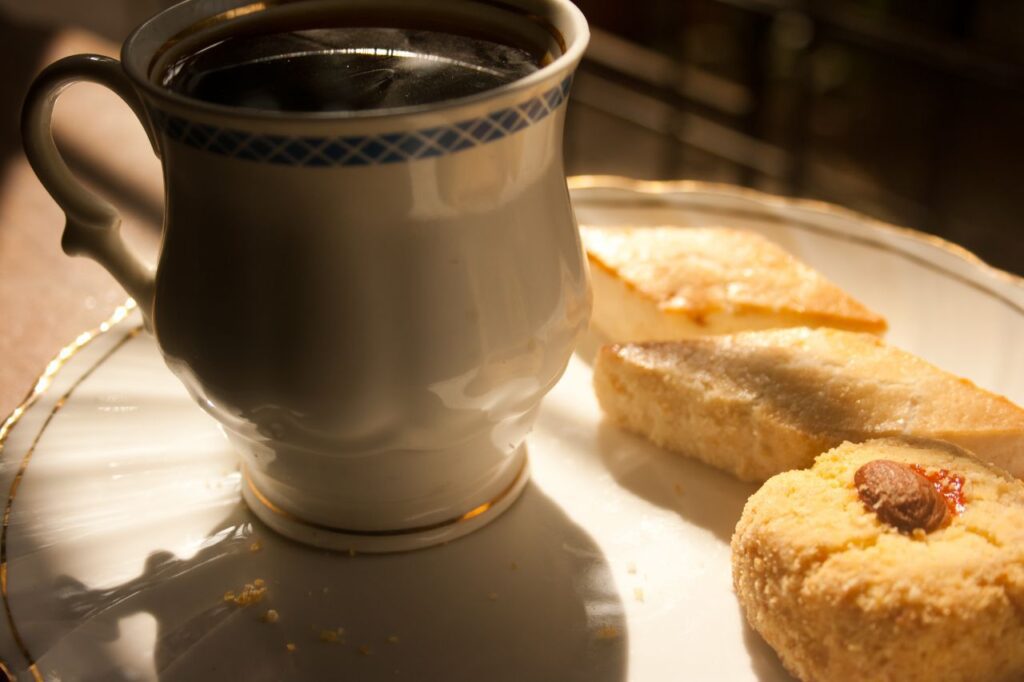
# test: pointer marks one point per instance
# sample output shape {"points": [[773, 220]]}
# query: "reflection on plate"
{"points": [[124, 528]]}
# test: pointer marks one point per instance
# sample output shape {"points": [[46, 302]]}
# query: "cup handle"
{"points": [[93, 225]]}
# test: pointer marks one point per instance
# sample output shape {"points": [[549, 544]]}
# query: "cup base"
{"points": [[382, 541]]}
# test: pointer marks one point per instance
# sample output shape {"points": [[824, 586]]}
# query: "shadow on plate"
{"points": [[529, 597], [702, 495]]}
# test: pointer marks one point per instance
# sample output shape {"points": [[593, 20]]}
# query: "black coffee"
{"points": [[345, 69]]}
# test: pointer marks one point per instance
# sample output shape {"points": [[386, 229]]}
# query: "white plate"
{"points": [[124, 527]]}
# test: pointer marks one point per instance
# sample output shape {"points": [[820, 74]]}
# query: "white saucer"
{"points": [[124, 524]]}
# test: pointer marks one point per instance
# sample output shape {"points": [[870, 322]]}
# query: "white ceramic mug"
{"points": [[372, 304]]}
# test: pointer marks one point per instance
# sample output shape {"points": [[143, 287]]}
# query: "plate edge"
{"points": [[581, 182], [39, 388]]}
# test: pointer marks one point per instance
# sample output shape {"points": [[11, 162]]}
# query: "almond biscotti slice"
{"points": [[664, 283], [759, 403]]}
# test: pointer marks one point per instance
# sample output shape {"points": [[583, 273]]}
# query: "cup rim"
{"points": [[561, 14]]}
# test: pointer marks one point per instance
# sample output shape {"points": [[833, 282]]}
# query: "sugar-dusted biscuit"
{"points": [[661, 283], [848, 573]]}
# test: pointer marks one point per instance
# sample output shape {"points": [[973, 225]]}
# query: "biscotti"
{"points": [[664, 283], [759, 403]]}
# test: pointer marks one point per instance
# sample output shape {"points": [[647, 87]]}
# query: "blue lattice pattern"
{"points": [[364, 150]]}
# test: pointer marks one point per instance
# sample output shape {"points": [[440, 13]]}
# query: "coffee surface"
{"points": [[345, 69]]}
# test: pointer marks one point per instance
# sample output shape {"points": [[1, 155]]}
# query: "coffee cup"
{"points": [[372, 302]]}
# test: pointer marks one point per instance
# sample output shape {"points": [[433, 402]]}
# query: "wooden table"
{"points": [[46, 297]]}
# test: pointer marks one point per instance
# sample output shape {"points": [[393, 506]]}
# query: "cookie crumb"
{"points": [[290, 647], [638, 592], [329, 635], [255, 546], [364, 650], [393, 639], [270, 616], [252, 593], [608, 632]]}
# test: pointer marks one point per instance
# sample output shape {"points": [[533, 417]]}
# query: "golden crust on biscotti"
{"points": [[662, 283], [759, 403], [842, 596]]}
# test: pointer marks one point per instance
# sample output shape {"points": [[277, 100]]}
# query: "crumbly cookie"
{"points": [[759, 403], [843, 595], [660, 283]]}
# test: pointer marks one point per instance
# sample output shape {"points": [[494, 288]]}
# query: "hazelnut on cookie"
{"points": [[890, 560]]}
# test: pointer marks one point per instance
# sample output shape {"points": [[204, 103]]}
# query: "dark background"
{"points": [[908, 110]]}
